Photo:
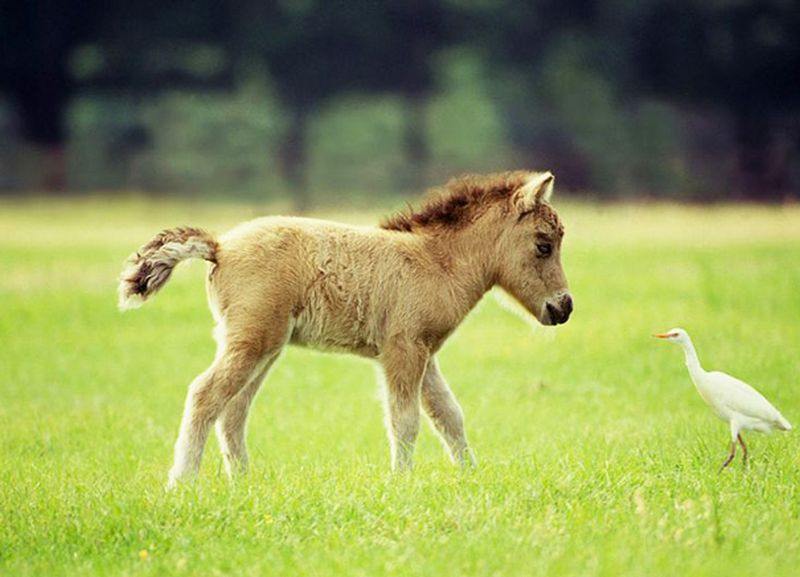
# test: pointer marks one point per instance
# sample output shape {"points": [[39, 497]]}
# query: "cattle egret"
{"points": [[733, 401]]}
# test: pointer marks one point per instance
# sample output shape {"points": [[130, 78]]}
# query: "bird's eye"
{"points": [[543, 250]]}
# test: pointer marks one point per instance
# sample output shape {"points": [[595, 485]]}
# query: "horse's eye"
{"points": [[543, 249]]}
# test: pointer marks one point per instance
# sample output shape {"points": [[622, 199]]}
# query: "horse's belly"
{"points": [[341, 334]]}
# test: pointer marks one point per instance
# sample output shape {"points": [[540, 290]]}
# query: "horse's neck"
{"points": [[471, 270]]}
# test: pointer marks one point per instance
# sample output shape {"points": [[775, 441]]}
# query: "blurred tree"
{"points": [[742, 57], [315, 50], [53, 49], [38, 39], [523, 43], [148, 46], [586, 87]]}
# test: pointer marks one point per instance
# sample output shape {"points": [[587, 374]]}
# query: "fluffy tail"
{"points": [[149, 268], [783, 424]]}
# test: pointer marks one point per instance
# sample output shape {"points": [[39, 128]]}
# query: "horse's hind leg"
{"points": [[403, 364], [238, 362], [231, 425], [445, 414], [208, 394]]}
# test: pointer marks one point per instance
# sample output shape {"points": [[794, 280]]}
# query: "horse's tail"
{"points": [[149, 268]]}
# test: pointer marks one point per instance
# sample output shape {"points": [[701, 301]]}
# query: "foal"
{"points": [[392, 293]]}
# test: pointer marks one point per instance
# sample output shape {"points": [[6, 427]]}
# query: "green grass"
{"points": [[596, 455]]}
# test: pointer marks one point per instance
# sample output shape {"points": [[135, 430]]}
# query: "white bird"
{"points": [[733, 401]]}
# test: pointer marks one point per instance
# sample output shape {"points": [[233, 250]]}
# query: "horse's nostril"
{"points": [[559, 314], [553, 312]]}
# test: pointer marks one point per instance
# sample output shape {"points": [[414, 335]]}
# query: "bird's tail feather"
{"points": [[783, 424]]}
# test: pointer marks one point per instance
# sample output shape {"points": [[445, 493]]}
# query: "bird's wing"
{"points": [[740, 397]]}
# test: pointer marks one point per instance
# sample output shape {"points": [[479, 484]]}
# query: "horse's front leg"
{"points": [[404, 362], [445, 414]]}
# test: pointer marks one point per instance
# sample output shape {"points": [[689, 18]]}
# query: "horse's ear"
{"points": [[538, 188]]}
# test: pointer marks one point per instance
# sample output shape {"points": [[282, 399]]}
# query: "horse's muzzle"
{"points": [[559, 310]]}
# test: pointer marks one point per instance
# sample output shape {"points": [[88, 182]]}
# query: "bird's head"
{"points": [[675, 335]]}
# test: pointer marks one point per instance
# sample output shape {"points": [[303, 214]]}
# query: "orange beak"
{"points": [[664, 335]]}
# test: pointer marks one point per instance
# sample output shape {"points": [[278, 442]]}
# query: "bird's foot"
{"points": [[726, 463]]}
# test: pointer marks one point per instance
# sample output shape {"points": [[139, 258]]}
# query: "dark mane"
{"points": [[458, 202]]}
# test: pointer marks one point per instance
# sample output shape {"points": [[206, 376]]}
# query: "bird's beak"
{"points": [[664, 335]]}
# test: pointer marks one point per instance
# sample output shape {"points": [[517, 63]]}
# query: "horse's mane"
{"points": [[457, 202]]}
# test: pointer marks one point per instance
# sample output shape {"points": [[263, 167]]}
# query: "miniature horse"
{"points": [[393, 293]]}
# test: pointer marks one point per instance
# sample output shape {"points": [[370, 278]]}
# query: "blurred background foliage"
{"points": [[317, 101]]}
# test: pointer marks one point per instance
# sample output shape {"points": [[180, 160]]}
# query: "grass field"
{"points": [[596, 455]]}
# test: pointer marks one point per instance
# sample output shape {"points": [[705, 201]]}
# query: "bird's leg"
{"points": [[730, 457], [744, 450]]}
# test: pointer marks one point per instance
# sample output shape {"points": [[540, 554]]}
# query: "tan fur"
{"points": [[393, 293]]}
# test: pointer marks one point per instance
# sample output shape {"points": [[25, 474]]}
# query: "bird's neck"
{"points": [[692, 362]]}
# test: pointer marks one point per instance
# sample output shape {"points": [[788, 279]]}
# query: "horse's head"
{"points": [[529, 263]]}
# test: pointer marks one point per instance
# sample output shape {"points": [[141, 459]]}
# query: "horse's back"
{"points": [[333, 279]]}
